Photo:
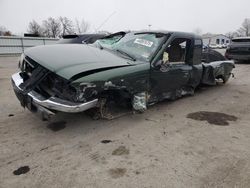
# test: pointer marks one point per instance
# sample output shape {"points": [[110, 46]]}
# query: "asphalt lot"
{"points": [[160, 148]]}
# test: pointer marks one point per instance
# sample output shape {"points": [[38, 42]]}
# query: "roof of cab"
{"points": [[179, 33]]}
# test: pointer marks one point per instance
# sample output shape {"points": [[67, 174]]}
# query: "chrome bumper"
{"points": [[52, 103]]}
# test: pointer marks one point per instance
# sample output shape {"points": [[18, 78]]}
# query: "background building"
{"points": [[215, 40]]}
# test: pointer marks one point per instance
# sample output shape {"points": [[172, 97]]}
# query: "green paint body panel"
{"points": [[67, 60]]}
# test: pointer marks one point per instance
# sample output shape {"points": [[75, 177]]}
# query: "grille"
{"points": [[32, 74]]}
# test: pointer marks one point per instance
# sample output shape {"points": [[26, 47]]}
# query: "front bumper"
{"points": [[36, 102]]}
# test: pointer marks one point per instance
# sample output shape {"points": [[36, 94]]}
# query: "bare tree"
{"points": [[46, 29], [245, 28], [232, 35], [81, 27], [67, 25], [35, 28], [7, 33], [103, 32], [51, 27], [4, 31]]}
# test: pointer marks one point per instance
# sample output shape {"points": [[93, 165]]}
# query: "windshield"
{"points": [[108, 41], [139, 46]]}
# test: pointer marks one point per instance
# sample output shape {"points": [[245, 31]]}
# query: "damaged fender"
{"points": [[216, 70]]}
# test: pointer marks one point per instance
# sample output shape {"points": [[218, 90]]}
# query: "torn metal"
{"points": [[217, 70], [139, 102]]}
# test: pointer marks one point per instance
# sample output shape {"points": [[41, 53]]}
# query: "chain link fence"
{"points": [[16, 45]]}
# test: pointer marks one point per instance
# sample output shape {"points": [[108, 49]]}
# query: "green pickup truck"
{"points": [[138, 68]]}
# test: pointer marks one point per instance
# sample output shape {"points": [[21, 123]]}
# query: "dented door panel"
{"points": [[168, 79]]}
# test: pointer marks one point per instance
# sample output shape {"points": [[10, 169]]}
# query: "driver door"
{"points": [[174, 71]]}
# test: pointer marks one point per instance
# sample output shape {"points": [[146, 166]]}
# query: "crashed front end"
{"points": [[46, 93]]}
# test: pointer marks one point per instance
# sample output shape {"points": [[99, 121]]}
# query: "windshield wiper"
{"points": [[126, 54]]}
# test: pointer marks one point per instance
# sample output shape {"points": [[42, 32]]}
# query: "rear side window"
{"points": [[196, 59], [198, 42]]}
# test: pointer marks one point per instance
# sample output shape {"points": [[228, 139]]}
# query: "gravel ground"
{"points": [[198, 141]]}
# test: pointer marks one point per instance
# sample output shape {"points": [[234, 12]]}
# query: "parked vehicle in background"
{"points": [[213, 46], [211, 55], [239, 49], [225, 45], [139, 70], [80, 39], [218, 46]]}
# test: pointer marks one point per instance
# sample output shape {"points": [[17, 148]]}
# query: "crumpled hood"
{"points": [[68, 60]]}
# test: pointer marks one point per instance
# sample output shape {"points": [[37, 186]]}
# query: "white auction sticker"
{"points": [[143, 42]]}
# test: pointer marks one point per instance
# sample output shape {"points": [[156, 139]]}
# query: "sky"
{"points": [[215, 16]]}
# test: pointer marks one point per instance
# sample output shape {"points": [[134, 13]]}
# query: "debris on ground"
{"points": [[106, 141], [21, 170], [117, 172], [121, 150], [215, 118]]}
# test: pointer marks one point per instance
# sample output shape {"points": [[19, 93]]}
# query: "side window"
{"points": [[197, 52], [177, 51]]}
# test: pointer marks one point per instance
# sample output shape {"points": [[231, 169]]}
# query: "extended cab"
{"points": [[140, 68]]}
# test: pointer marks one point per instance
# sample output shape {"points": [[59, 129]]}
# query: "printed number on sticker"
{"points": [[143, 42]]}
